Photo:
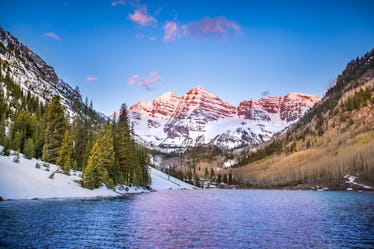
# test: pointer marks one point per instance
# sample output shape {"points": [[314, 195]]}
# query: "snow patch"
{"points": [[350, 179], [24, 180]]}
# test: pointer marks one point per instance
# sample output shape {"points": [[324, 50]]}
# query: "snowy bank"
{"points": [[352, 181], [161, 180], [24, 180]]}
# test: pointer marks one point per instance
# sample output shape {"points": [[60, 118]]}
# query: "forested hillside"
{"points": [[333, 140], [43, 117]]}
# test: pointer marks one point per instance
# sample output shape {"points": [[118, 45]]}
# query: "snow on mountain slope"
{"points": [[33, 74], [199, 117], [24, 181]]}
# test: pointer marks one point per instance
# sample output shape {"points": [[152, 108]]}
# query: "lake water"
{"points": [[193, 219]]}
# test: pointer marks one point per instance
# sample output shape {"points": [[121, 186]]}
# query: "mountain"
{"points": [[199, 117], [328, 147], [36, 77]]}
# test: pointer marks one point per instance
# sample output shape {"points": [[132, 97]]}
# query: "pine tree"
{"points": [[2, 127], [124, 149], [17, 140], [107, 180], [64, 154], [91, 173], [55, 124], [29, 149], [45, 156], [101, 160]]}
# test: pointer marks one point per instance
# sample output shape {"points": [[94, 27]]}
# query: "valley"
{"points": [[296, 141]]}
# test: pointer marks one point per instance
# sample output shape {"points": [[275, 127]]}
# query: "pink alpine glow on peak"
{"points": [[200, 117]]}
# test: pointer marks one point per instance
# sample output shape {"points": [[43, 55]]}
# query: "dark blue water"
{"points": [[193, 219]]}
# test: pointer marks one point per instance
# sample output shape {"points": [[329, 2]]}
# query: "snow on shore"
{"points": [[160, 180], [352, 180], [24, 181]]}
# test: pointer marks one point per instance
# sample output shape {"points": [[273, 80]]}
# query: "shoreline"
{"points": [[126, 195]]}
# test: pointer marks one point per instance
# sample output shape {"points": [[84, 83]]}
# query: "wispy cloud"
{"points": [[142, 18], [137, 80], [91, 78], [218, 27], [265, 93], [52, 35], [119, 2], [170, 31]]}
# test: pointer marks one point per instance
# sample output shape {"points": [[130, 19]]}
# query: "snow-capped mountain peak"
{"points": [[200, 117]]}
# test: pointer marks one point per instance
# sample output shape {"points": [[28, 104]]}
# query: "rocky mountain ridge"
{"points": [[199, 117], [34, 75]]}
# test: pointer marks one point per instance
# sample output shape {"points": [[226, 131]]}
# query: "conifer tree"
{"points": [[2, 127], [55, 124], [124, 147], [29, 149], [100, 161], [64, 154]]}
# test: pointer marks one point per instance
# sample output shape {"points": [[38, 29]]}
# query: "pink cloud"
{"points": [[141, 17], [170, 31], [133, 79], [91, 78], [217, 26], [137, 80], [52, 35], [119, 2]]}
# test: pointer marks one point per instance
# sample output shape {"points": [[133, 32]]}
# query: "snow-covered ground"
{"points": [[24, 181], [352, 180], [160, 180]]}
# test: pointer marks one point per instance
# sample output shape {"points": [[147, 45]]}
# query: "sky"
{"points": [[126, 51]]}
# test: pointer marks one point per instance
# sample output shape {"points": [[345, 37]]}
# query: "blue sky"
{"points": [[119, 51]]}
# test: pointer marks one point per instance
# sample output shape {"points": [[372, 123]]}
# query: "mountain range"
{"points": [[199, 117]]}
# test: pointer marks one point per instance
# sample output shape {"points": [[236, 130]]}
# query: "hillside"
{"points": [[335, 139]]}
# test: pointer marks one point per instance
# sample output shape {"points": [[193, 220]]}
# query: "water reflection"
{"points": [[194, 219]]}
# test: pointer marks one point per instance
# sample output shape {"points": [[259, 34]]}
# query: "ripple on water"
{"points": [[193, 219]]}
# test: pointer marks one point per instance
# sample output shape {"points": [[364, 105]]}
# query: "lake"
{"points": [[193, 219]]}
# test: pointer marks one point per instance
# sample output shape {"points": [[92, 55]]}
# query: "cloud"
{"points": [[214, 27], [170, 31], [142, 18], [141, 37], [265, 93], [119, 2], [52, 35], [137, 80], [91, 78]]}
